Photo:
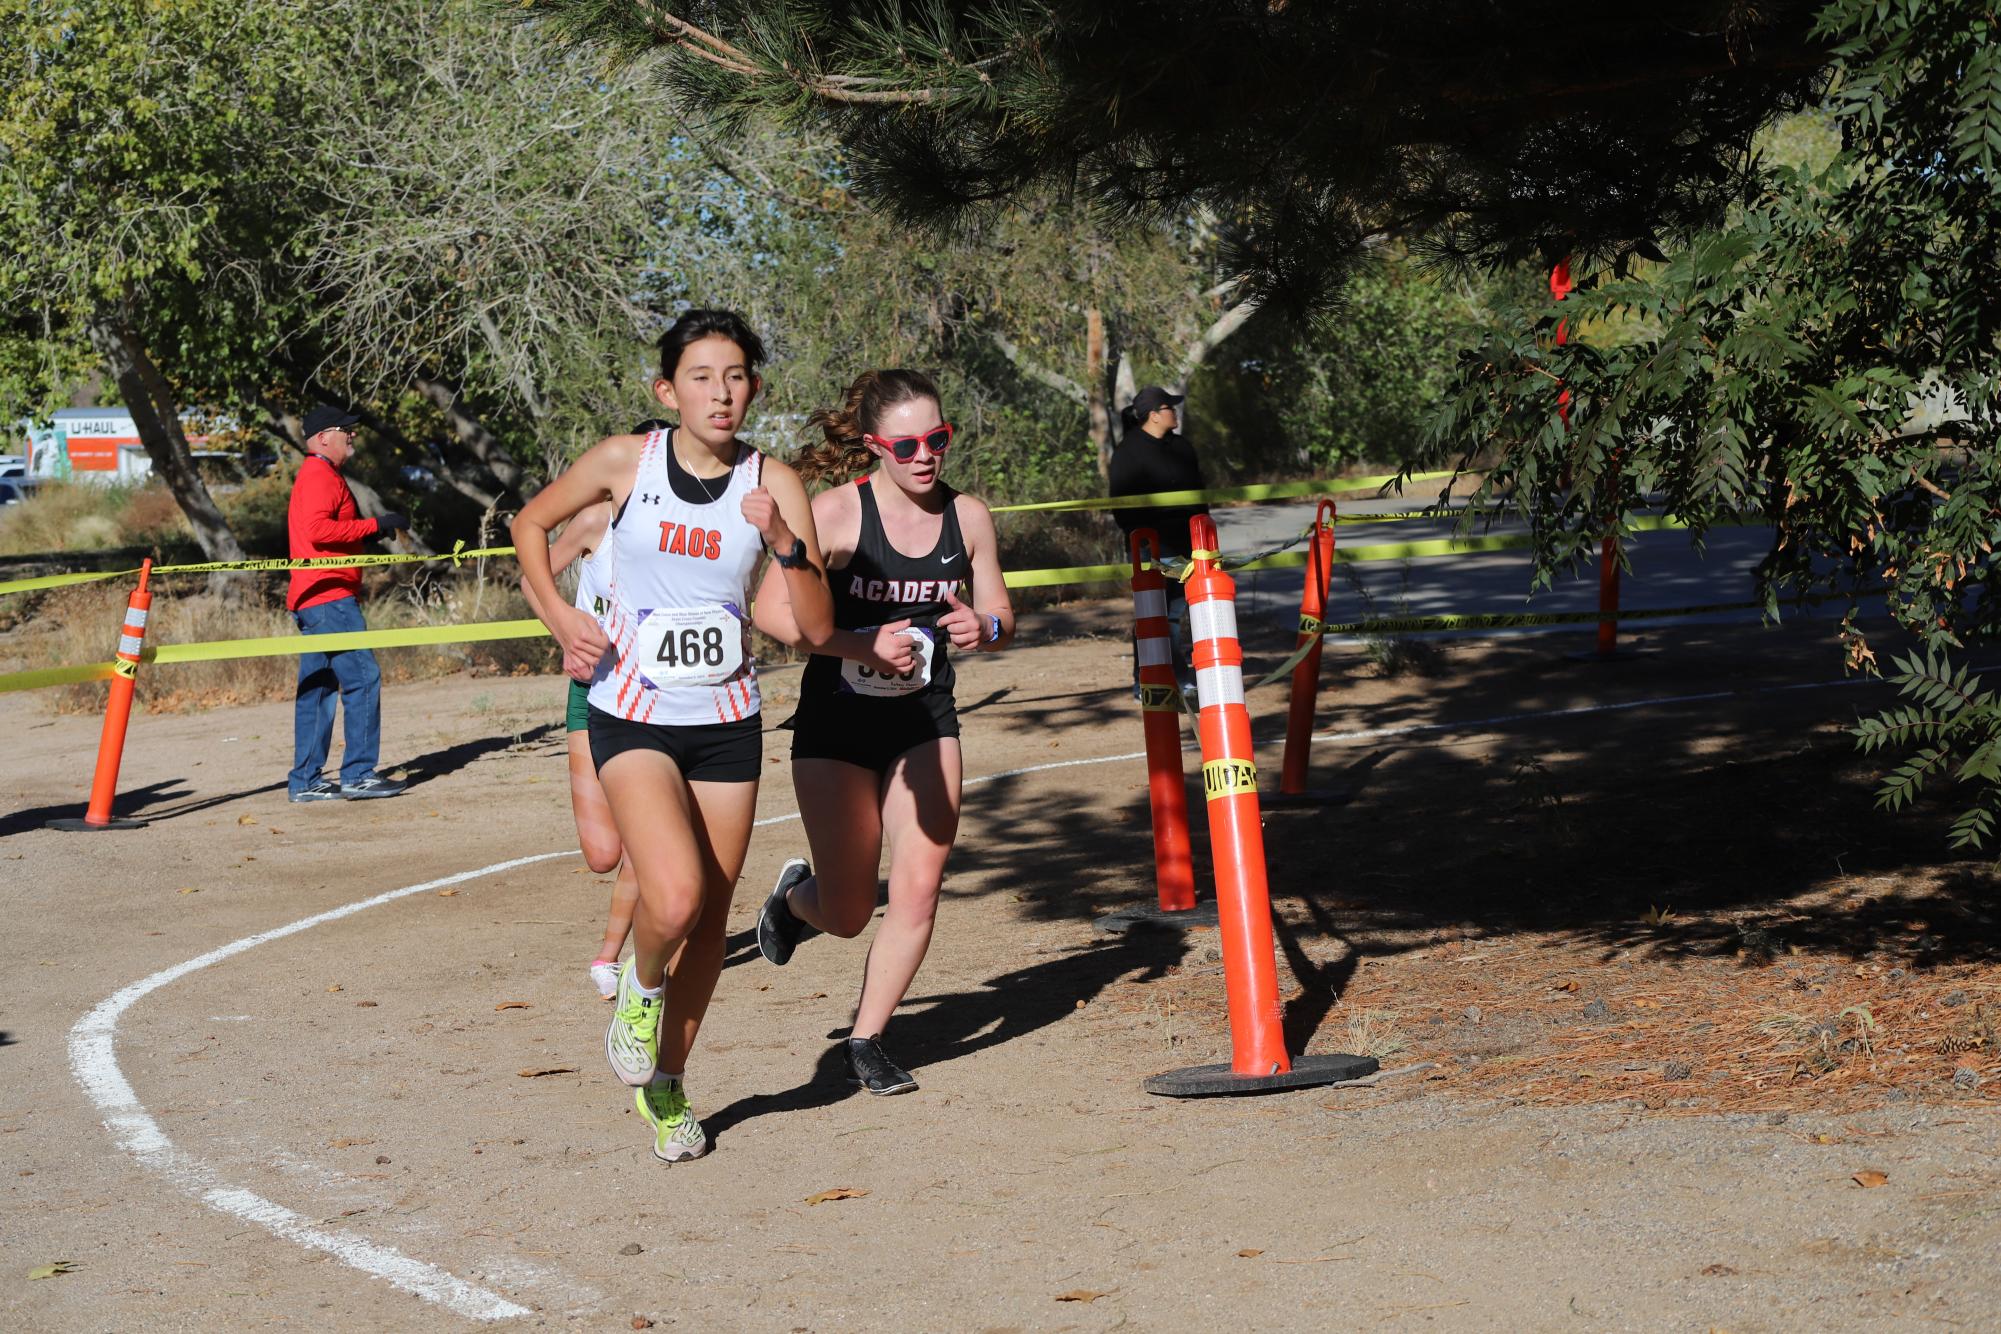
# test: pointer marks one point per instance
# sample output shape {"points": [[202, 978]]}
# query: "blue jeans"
{"points": [[358, 682]]}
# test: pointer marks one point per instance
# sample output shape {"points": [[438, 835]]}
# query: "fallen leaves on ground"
{"points": [[1249, 1253], [837, 1193], [533, 1073], [1869, 1178], [51, 1270], [244, 819], [514, 1005], [1080, 1295], [347, 1143], [446, 893]]}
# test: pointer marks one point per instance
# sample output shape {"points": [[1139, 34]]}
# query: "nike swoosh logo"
{"points": [[946, 560]]}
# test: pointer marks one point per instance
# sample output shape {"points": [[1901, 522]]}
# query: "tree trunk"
{"points": [[472, 432], [158, 420], [1102, 433]]}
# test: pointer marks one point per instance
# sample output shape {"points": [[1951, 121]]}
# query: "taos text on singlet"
{"points": [[677, 581]]}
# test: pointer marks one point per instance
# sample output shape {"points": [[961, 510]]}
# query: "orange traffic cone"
{"points": [[1258, 1057], [117, 713]]}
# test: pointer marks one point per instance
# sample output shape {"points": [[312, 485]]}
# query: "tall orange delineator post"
{"points": [[117, 713], [1608, 593], [1306, 675], [1560, 286], [1160, 707], [1258, 1059], [1166, 780]]}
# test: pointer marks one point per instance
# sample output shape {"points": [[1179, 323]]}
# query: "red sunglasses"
{"points": [[938, 439]]}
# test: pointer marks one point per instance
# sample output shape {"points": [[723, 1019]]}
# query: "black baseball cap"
{"points": [[325, 417], [1153, 398]]}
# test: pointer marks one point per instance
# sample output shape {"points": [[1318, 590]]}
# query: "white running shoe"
{"points": [[604, 976], [677, 1135], [632, 1039]]}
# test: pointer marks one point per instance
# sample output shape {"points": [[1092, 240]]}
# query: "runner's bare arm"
{"points": [[585, 528], [780, 510], [604, 472], [836, 518], [989, 597]]}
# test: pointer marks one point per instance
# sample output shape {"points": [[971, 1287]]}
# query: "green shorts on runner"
{"points": [[578, 717]]}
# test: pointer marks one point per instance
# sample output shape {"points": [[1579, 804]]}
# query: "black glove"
{"points": [[391, 523]]}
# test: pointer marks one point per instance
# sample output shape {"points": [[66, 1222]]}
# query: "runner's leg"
{"points": [[722, 813], [920, 816], [840, 805], [651, 806], [597, 834]]}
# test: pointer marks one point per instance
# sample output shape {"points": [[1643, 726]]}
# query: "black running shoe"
{"points": [[874, 1071], [320, 789], [371, 788], [778, 931]]}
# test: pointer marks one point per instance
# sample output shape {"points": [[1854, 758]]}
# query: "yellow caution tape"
{"points": [[458, 555], [277, 646], [43, 677], [1270, 491]]}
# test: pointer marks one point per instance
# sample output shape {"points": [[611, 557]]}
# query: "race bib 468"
{"points": [[690, 646]]}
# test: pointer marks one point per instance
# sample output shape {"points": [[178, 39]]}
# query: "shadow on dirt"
{"points": [[933, 1029], [1712, 779], [152, 802]]}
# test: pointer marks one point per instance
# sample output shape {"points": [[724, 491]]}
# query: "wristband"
{"points": [[993, 629], [793, 559]]}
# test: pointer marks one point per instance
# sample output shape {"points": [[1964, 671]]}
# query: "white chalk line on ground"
{"points": [[94, 1059]]}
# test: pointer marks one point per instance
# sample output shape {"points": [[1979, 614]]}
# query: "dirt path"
{"points": [[349, 1097]]}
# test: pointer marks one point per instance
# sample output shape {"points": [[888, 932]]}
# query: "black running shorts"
{"points": [[703, 752], [871, 733]]}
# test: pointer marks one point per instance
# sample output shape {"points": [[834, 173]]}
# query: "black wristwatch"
{"points": [[793, 559]]}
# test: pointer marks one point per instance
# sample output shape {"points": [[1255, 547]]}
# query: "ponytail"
{"points": [[842, 454]]}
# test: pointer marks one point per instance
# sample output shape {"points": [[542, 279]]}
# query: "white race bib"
{"points": [[690, 646], [863, 679]]}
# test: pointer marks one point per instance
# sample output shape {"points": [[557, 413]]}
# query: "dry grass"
{"points": [[66, 516]]}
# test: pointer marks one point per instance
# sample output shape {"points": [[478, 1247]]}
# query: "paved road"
{"points": [[1667, 571]]}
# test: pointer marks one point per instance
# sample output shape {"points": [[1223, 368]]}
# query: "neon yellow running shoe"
{"points": [[632, 1039], [677, 1135]]}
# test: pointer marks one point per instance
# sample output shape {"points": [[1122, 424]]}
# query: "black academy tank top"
{"points": [[880, 584]]}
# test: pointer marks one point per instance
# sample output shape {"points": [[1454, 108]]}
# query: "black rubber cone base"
{"points": [[80, 826], [1210, 1081], [1151, 917]]}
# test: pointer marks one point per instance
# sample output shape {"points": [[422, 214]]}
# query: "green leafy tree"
{"points": [[1495, 131], [143, 192], [1827, 361]]}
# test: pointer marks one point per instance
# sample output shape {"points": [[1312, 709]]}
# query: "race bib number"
{"points": [[690, 646], [863, 679]]}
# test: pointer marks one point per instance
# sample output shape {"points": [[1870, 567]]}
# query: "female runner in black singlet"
{"points": [[875, 743]]}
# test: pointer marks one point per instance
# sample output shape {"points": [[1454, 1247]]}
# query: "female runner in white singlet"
{"points": [[875, 743], [674, 721]]}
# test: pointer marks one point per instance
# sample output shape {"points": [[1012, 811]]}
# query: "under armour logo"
{"points": [[645, 499]]}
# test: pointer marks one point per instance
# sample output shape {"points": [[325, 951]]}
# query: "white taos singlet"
{"points": [[592, 597], [677, 578]]}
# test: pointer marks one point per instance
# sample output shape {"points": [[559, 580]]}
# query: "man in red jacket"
{"points": [[323, 521]]}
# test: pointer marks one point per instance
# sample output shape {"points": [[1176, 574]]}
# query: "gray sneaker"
{"points": [[320, 789], [375, 785]]}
